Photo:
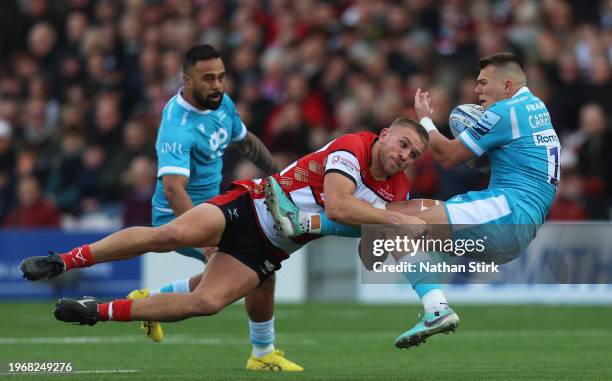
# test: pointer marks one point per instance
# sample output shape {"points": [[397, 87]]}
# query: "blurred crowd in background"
{"points": [[83, 84]]}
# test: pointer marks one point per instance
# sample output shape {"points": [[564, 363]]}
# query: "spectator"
{"points": [[7, 150], [141, 184], [300, 72], [32, 210], [569, 204], [594, 158]]}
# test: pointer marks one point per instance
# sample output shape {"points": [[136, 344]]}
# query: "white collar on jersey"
{"points": [[520, 91], [183, 103]]}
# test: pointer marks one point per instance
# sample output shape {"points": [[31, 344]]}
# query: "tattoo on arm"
{"points": [[253, 149]]}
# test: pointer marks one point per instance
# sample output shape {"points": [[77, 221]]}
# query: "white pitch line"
{"points": [[172, 340]]}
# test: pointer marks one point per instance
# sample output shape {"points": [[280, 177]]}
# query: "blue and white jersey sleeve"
{"points": [[492, 131], [174, 142], [239, 130]]}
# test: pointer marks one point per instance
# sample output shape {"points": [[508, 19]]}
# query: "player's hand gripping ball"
{"points": [[463, 117]]}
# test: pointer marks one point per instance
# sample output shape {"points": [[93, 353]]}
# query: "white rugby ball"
{"points": [[464, 116]]}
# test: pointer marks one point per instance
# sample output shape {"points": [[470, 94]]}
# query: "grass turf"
{"points": [[332, 341]]}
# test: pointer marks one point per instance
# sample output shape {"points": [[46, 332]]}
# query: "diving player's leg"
{"points": [[200, 226], [225, 280]]}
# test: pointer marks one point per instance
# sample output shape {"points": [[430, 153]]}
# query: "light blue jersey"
{"points": [[190, 143], [518, 136]]}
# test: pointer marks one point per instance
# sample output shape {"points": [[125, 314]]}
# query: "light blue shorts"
{"points": [[493, 216]]}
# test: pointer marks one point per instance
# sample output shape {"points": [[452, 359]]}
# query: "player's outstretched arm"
{"points": [[448, 153], [408, 207], [343, 207], [253, 149]]}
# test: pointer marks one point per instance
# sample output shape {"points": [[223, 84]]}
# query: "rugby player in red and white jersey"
{"points": [[346, 179]]}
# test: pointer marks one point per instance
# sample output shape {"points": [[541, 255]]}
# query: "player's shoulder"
{"points": [[494, 115], [227, 102], [354, 141], [171, 108]]}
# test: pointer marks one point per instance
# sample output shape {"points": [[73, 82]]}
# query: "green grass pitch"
{"points": [[332, 341]]}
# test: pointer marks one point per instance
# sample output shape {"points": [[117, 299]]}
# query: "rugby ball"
{"points": [[464, 116]]}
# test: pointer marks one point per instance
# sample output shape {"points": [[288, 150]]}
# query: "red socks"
{"points": [[118, 310], [78, 257]]}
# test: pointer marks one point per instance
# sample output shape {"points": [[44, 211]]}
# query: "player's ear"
{"points": [[187, 81], [383, 134], [509, 87]]}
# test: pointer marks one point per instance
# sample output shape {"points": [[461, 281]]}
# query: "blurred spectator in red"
{"points": [[141, 184], [569, 203], [32, 209], [287, 130]]}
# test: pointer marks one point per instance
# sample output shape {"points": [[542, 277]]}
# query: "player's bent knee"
{"points": [[206, 305]]}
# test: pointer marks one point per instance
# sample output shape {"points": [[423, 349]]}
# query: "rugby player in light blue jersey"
{"points": [[197, 125], [517, 136]]}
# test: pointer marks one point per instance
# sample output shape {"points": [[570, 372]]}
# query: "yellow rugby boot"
{"points": [[273, 361], [152, 329]]}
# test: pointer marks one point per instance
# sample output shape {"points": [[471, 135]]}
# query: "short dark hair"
{"points": [[416, 126], [500, 60], [199, 53]]}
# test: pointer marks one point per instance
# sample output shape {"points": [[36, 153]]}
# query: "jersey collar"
{"points": [[520, 91], [183, 103]]}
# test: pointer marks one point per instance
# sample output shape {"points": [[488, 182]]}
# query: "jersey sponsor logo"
{"points": [[517, 100], [348, 164], [173, 147], [545, 138], [218, 138], [385, 193]]}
